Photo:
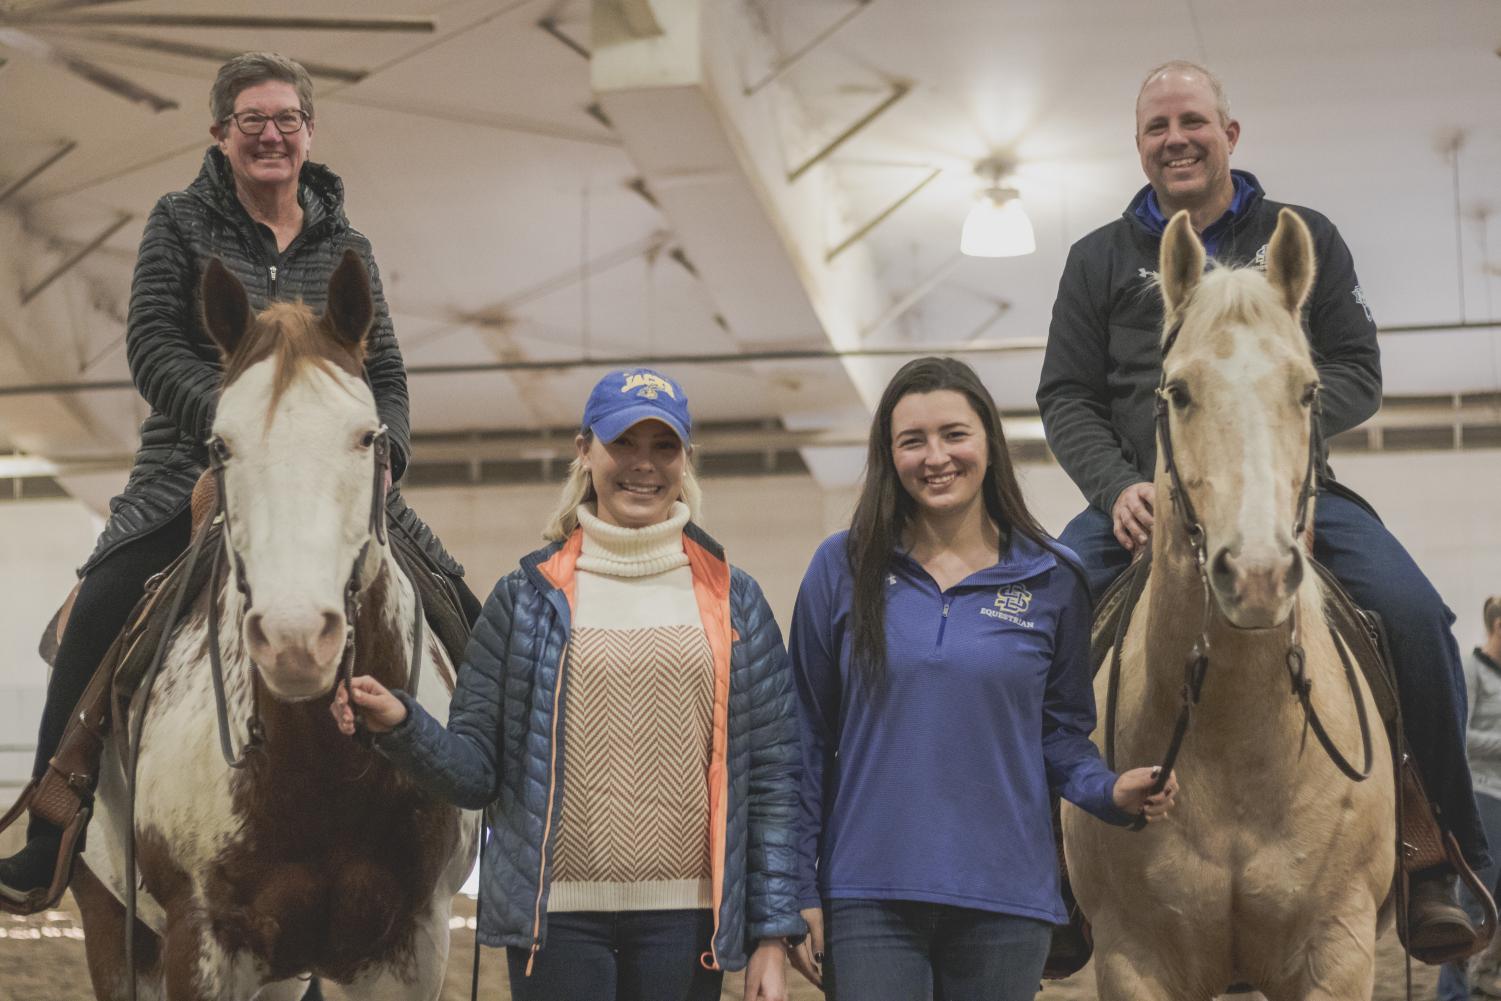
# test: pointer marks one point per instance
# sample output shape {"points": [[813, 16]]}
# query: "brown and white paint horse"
{"points": [[1275, 866], [317, 857]]}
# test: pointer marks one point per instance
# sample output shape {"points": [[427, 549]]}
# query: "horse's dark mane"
{"points": [[298, 339]]}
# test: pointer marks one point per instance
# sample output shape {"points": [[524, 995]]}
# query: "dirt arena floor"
{"points": [[42, 959]]}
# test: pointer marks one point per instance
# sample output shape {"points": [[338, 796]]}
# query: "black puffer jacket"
{"points": [[176, 366]]}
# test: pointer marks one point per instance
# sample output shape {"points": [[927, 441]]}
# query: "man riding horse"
{"points": [[1102, 367]]}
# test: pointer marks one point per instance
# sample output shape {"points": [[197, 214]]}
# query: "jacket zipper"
{"points": [[943, 622], [552, 785], [713, 953], [271, 269]]}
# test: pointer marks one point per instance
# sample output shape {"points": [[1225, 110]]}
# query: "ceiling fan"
{"points": [[41, 29]]}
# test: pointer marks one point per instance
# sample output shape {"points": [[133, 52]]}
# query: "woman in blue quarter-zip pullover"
{"points": [[941, 653]]}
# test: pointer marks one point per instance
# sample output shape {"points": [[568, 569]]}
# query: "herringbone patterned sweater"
{"points": [[634, 834]]}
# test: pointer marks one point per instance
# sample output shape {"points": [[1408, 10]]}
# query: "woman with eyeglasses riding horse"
{"points": [[277, 221]]}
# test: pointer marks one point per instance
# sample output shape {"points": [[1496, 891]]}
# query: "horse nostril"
{"points": [[255, 632], [330, 637], [1222, 569], [1294, 576]]}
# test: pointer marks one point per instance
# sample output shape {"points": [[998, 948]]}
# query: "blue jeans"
{"points": [[1379, 574], [624, 956], [1453, 979], [907, 950]]}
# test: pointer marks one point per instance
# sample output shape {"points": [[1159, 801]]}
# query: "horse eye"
{"points": [[1310, 393], [220, 448], [1177, 394], [368, 439]]}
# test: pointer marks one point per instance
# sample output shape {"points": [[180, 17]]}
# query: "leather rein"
{"points": [[381, 445], [218, 459], [1196, 666]]}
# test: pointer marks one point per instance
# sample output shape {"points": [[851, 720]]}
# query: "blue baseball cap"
{"points": [[630, 395]]}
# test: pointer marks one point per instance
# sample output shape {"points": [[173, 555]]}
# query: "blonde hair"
{"points": [[579, 489]]}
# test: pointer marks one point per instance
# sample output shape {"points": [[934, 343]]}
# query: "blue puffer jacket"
{"points": [[503, 749]]}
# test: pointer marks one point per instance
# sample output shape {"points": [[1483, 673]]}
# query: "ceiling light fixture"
{"points": [[997, 226], [18, 466]]}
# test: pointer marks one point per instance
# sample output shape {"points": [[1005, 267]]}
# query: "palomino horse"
{"points": [[1274, 867], [314, 855]]}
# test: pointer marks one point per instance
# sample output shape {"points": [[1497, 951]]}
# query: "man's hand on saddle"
{"points": [[1132, 515], [379, 709], [1133, 793]]}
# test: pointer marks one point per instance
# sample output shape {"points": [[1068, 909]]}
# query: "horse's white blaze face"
{"points": [[299, 495], [1273, 868], [1240, 427]]}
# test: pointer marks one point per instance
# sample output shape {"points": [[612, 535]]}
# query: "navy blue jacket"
{"points": [[504, 749], [939, 789]]}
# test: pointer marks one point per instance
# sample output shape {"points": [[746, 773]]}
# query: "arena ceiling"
{"points": [[554, 184]]}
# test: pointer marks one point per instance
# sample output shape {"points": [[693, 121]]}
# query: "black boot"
{"points": [[1436, 925], [30, 870]]}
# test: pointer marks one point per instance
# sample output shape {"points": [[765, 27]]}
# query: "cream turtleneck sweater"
{"points": [[638, 692], [633, 552]]}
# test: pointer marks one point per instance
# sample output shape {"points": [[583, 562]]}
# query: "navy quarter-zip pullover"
{"points": [[940, 789]]}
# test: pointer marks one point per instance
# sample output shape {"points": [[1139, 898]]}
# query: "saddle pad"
{"points": [[129, 658], [1119, 601], [440, 600]]}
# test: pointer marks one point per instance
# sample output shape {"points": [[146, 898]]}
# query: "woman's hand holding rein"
{"points": [[380, 710], [1133, 793]]}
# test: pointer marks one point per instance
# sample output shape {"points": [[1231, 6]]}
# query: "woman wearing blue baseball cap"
{"points": [[626, 714]]}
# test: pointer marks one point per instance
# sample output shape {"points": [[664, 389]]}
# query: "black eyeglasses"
{"points": [[253, 123]]}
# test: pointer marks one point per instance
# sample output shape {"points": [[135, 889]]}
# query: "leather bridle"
{"points": [[218, 460], [1196, 666], [1183, 503], [219, 457]]}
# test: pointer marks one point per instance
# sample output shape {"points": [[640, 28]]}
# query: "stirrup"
{"points": [[1423, 844], [1484, 930], [78, 809]]}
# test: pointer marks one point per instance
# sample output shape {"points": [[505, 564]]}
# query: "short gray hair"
{"points": [[1492, 612], [1221, 102], [251, 68]]}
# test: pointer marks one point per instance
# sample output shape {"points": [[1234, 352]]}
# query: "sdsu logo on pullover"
{"points": [[987, 715]]}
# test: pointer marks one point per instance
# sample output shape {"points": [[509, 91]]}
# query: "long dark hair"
{"points": [[885, 508]]}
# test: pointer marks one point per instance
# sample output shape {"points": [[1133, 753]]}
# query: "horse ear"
{"points": [[226, 310], [350, 307], [1290, 263], [1180, 264]]}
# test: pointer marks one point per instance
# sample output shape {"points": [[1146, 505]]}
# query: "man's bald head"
{"points": [[1184, 136], [1182, 68]]}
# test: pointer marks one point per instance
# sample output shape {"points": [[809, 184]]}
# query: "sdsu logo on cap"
{"points": [[647, 385], [628, 396]]}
